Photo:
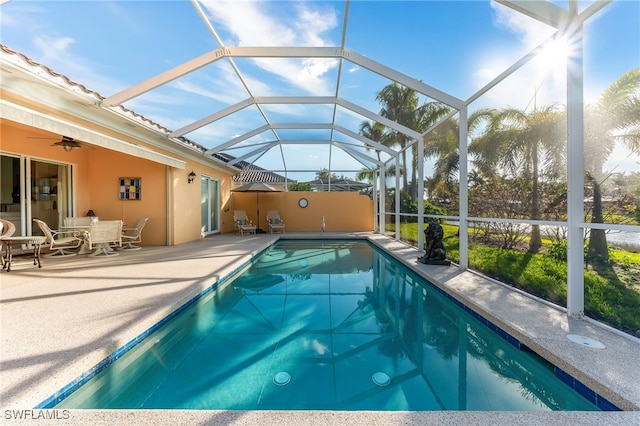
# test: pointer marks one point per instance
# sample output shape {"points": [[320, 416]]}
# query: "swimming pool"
{"points": [[326, 325]]}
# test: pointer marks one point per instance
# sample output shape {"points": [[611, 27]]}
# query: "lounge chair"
{"points": [[133, 235], [104, 234], [276, 224], [60, 242], [242, 224]]}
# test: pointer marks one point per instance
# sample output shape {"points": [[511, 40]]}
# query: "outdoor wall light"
{"points": [[191, 177]]}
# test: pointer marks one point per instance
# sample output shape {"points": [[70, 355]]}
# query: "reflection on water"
{"points": [[332, 317]]}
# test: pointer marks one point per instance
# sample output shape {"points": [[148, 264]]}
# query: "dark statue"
{"points": [[435, 253]]}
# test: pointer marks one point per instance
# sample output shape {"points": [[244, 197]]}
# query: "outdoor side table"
{"points": [[35, 241]]}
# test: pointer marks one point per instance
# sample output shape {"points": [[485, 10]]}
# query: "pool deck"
{"points": [[59, 321]]}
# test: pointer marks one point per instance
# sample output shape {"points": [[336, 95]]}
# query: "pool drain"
{"points": [[585, 341], [381, 379], [282, 378]]}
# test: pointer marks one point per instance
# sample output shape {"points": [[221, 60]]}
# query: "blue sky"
{"points": [[454, 46]]}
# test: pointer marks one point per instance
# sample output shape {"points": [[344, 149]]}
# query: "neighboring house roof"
{"points": [[252, 173], [341, 184]]}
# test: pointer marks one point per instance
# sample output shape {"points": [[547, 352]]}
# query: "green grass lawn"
{"points": [[612, 291]]}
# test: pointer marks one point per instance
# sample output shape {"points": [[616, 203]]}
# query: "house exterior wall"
{"points": [[172, 205]]}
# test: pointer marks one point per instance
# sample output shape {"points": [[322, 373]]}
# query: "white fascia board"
{"points": [[19, 114]]}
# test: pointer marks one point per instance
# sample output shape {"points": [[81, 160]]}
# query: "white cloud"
{"points": [[270, 24], [53, 49]]}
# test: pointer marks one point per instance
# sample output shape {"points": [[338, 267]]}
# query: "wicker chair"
{"points": [[130, 236], [59, 241], [8, 229], [77, 221], [103, 236], [242, 223]]}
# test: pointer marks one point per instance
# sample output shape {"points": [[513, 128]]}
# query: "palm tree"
{"points": [[376, 132], [365, 174], [399, 104], [615, 117], [443, 143], [522, 143]]}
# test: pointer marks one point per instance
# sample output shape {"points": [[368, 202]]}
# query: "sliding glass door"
{"points": [[34, 189], [210, 205]]}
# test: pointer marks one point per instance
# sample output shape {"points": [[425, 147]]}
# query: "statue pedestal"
{"points": [[434, 261]]}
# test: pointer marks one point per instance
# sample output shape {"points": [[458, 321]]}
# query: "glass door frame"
{"points": [[26, 191], [211, 203]]}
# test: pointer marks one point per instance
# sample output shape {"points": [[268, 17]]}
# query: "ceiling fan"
{"points": [[69, 144]]}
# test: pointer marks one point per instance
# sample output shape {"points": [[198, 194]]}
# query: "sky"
{"points": [[457, 47]]}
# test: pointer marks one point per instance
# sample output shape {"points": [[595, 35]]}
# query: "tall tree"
{"points": [[615, 117], [375, 132], [443, 144], [399, 104], [521, 144]]}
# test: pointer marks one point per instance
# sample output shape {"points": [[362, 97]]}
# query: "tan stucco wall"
{"points": [[97, 171], [343, 211], [187, 197], [104, 172]]}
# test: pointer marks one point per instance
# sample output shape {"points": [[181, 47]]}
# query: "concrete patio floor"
{"points": [[59, 321]]}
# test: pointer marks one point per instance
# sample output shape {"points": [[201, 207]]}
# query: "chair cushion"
{"points": [[276, 221], [241, 222]]}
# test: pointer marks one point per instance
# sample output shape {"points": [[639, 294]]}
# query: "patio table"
{"points": [[36, 241]]}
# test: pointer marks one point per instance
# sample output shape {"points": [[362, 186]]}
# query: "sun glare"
{"points": [[555, 52]]}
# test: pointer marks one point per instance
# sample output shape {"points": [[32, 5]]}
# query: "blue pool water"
{"points": [[326, 325]]}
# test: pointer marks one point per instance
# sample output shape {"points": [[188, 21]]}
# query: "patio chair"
{"points": [[103, 236], [133, 235], [275, 222], [60, 242], [7, 229], [242, 223], [70, 222]]}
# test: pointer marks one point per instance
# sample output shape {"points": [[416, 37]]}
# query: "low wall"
{"points": [[342, 211]]}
